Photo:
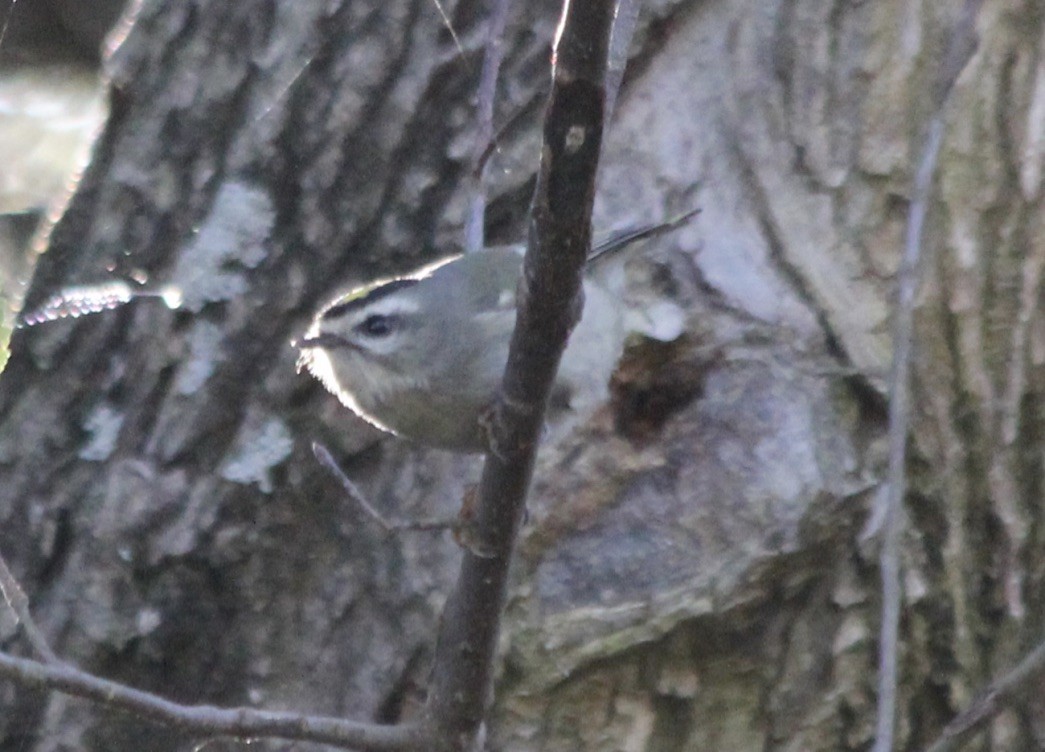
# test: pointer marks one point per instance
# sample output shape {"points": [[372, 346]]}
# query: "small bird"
{"points": [[422, 356]]}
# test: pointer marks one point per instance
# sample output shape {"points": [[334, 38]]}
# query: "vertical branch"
{"points": [[962, 46], [899, 418], [626, 18], [549, 305], [474, 230]]}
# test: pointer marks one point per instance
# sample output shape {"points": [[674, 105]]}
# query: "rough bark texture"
{"points": [[690, 576]]}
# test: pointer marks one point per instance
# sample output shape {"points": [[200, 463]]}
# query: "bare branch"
{"points": [[549, 305], [899, 417], [990, 702], [19, 604], [962, 47], [324, 457], [204, 720], [963, 44], [200, 720], [491, 146], [484, 136], [626, 18]]}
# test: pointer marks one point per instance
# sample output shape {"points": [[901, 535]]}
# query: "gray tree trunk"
{"points": [[691, 576]]}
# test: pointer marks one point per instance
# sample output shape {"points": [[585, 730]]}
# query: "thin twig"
{"points": [[392, 526], [201, 720], [19, 605], [7, 21], [491, 146], [991, 701], [484, 136], [205, 720], [963, 44], [626, 18], [899, 416], [449, 25]]}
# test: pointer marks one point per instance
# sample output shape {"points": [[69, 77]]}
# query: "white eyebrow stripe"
{"points": [[390, 307]]}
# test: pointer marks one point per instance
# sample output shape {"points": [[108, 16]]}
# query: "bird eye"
{"points": [[377, 325]]}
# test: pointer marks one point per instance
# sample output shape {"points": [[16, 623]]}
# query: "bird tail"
{"points": [[623, 238]]}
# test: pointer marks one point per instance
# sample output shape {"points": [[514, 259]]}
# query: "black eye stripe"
{"points": [[378, 325], [356, 300]]}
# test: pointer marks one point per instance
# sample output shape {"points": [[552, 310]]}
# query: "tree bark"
{"points": [[691, 575]]}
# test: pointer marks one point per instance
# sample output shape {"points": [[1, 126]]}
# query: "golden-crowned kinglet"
{"points": [[422, 355]]}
